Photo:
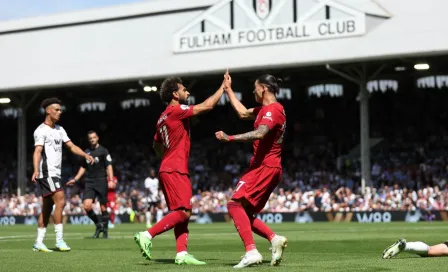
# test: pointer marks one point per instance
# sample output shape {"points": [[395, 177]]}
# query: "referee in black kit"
{"points": [[96, 181]]}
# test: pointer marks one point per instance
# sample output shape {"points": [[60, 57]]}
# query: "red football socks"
{"points": [[261, 228], [242, 224], [168, 222], [181, 233], [112, 217]]}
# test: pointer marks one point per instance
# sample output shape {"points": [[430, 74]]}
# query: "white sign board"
{"points": [[242, 23]]}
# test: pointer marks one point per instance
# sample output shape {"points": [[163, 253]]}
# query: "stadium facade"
{"points": [[158, 38]]}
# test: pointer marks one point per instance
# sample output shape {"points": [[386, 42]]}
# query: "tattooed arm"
{"points": [[251, 136]]}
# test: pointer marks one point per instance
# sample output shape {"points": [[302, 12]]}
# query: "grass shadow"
{"points": [[364, 268], [57, 250]]}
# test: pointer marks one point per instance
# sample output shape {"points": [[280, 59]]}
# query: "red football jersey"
{"points": [[268, 150], [173, 132]]}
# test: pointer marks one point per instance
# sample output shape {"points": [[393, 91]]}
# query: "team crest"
{"points": [[262, 8]]}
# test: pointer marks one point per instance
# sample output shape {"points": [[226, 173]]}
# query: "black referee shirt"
{"points": [[102, 160]]}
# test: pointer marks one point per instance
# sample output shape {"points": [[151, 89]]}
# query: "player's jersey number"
{"points": [[164, 133], [239, 185]]}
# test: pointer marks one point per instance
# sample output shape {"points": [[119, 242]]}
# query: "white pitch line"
{"points": [[29, 235], [15, 236], [127, 236]]}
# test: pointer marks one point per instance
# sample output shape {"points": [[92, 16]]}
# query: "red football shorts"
{"points": [[177, 190], [256, 186]]}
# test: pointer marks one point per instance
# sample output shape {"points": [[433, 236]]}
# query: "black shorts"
{"points": [[96, 190], [48, 186]]}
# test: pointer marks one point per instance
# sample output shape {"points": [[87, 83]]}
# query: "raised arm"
{"points": [[241, 110], [209, 103]]}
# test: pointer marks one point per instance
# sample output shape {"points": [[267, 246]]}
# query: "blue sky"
{"points": [[16, 9]]}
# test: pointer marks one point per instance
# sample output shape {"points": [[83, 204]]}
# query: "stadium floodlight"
{"points": [[421, 66], [132, 90], [400, 68], [5, 100], [154, 88], [147, 89]]}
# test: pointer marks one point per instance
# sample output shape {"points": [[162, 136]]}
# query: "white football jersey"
{"points": [[152, 184], [51, 139]]}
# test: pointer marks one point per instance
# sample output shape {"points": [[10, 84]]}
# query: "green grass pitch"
{"points": [[312, 247]]}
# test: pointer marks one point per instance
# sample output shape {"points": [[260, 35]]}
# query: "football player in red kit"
{"points": [[265, 170], [111, 200], [172, 143]]}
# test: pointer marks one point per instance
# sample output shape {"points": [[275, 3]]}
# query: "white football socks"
{"points": [[181, 254], [40, 235], [148, 218], [59, 234], [147, 234], [419, 248]]}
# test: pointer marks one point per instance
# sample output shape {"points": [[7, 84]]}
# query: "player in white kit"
{"points": [[419, 248], [47, 162], [153, 198]]}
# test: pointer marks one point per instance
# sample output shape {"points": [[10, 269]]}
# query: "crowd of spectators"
{"points": [[311, 181]]}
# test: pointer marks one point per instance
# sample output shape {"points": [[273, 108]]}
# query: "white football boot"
{"points": [[250, 258], [278, 245], [394, 249]]}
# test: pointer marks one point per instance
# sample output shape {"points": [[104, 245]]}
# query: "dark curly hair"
{"points": [[169, 85], [50, 101]]}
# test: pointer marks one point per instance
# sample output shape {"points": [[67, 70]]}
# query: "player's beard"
{"points": [[183, 101]]}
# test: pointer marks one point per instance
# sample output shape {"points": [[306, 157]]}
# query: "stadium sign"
{"points": [[80, 220], [7, 220], [270, 218], [242, 23], [374, 217]]}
